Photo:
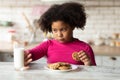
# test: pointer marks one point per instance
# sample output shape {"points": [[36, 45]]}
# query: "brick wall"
{"points": [[103, 16]]}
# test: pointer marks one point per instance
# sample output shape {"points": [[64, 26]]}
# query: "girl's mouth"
{"points": [[60, 40]]}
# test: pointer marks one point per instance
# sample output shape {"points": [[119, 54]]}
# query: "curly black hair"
{"points": [[71, 13]]}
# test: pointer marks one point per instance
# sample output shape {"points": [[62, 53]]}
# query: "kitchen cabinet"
{"points": [[108, 61], [106, 50], [6, 57]]}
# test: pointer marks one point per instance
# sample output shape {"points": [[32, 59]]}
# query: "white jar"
{"points": [[18, 58]]}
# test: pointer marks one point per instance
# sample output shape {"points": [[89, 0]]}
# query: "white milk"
{"points": [[18, 58]]}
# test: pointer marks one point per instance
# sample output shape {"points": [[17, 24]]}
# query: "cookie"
{"points": [[59, 66], [64, 67], [54, 66], [75, 56], [64, 64]]}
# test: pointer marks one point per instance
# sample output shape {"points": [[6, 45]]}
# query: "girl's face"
{"points": [[62, 32]]}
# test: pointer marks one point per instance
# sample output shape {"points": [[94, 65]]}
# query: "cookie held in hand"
{"points": [[75, 56]]}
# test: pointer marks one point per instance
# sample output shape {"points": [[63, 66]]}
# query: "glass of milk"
{"points": [[18, 58]]}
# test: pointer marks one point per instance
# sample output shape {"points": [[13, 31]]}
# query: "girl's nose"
{"points": [[59, 33]]}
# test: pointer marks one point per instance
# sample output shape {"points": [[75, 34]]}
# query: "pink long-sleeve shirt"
{"points": [[61, 52]]}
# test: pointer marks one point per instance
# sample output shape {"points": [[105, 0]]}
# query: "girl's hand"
{"points": [[84, 58], [27, 60]]}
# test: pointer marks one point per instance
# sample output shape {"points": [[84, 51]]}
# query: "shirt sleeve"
{"points": [[91, 55], [39, 51]]}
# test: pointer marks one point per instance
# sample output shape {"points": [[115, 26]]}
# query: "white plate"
{"points": [[73, 67]]}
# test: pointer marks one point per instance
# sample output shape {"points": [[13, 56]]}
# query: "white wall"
{"points": [[103, 16]]}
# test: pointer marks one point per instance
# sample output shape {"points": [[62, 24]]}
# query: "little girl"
{"points": [[61, 20]]}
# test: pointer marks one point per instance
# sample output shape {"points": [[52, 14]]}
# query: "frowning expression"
{"points": [[62, 32]]}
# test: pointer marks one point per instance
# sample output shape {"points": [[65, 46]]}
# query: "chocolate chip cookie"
{"points": [[59, 66], [75, 56]]}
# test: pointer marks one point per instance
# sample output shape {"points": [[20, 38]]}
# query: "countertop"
{"points": [[98, 50], [38, 72], [106, 50]]}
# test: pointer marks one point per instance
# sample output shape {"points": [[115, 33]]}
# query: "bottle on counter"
{"points": [[12, 35], [99, 40]]}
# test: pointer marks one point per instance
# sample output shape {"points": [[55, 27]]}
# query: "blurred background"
{"points": [[18, 22], [103, 20]]}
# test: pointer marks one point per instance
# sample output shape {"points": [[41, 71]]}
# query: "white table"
{"points": [[37, 72]]}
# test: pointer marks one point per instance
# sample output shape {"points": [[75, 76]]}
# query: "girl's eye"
{"points": [[54, 30], [64, 29]]}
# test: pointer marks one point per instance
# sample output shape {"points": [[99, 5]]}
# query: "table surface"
{"points": [[38, 72]]}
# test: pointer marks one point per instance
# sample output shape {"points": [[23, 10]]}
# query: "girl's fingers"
{"points": [[28, 61], [84, 57], [81, 54], [26, 53], [87, 62], [28, 57], [25, 68]]}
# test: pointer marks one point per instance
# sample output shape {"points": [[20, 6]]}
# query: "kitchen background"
{"points": [[103, 19], [18, 21]]}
